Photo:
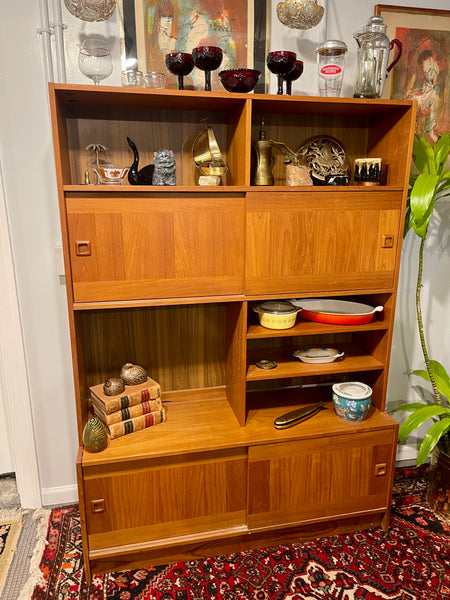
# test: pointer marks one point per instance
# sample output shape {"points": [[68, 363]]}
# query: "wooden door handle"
{"points": [[83, 248], [380, 470], [387, 240], [98, 506]]}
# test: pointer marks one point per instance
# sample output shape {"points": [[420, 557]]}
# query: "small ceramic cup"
{"points": [[352, 400]]}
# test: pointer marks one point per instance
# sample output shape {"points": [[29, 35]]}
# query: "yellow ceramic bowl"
{"points": [[277, 315]]}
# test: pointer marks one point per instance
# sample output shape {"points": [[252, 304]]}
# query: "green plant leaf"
{"points": [[422, 154], [432, 437], [422, 201], [409, 407], [418, 417], [441, 377], [441, 151]]}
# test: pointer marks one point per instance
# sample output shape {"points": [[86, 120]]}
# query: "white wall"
{"points": [[27, 157]]}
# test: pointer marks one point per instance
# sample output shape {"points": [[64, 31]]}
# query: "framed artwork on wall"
{"points": [[152, 28], [423, 72]]}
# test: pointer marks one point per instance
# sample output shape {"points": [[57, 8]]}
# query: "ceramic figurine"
{"points": [[113, 386], [132, 374], [164, 168], [139, 176], [95, 437]]}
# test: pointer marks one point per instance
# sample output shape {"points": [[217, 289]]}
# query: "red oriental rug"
{"points": [[409, 562]]}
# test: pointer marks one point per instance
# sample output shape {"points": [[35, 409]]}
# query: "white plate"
{"points": [[318, 355]]}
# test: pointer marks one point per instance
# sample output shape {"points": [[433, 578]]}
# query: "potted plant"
{"points": [[430, 183]]}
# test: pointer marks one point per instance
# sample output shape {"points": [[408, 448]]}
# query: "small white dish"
{"points": [[318, 355]]}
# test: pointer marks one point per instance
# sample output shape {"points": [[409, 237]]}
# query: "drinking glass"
{"points": [[95, 62], [293, 75], [207, 59], [154, 80], [279, 63], [180, 64]]}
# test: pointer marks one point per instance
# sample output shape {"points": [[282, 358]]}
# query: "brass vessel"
{"points": [[207, 155]]}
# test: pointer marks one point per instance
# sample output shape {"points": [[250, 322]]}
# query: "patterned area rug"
{"points": [[10, 527], [409, 562]]}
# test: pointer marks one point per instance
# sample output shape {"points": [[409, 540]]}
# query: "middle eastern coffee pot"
{"points": [[373, 56]]}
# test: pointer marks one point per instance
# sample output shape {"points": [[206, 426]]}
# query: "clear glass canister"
{"points": [[330, 67]]}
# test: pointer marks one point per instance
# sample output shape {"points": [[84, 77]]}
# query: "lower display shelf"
{"points": [[202, 420], [355, 359]]}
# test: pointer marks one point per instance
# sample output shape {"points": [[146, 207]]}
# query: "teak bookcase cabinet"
{"points": [[167, 277]]}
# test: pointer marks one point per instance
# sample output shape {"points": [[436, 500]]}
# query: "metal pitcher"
{"points": [[373, 57]]}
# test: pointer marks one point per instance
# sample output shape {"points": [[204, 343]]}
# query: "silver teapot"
{"points": [[373, 57]]}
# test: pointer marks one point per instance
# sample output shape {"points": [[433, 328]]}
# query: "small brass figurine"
{"points": [[132, 374], [113, 386]]}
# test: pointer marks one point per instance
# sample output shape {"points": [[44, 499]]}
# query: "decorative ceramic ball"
{"points": [[132, 374], [95, 436], [113, 386], [352, 400]]}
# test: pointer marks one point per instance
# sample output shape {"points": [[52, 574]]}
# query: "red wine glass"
{"points": [[180, 64], [293, 75], [207, 59], [279, 63]]}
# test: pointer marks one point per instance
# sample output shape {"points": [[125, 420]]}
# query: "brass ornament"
{"points": [[132, 374], [299, 14], [91, 10], [324, 156], [95, 436], [113, 386]]}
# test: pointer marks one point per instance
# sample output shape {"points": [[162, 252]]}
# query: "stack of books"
{"points": [[136, 408]]}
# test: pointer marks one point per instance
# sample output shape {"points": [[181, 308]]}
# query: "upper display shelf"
{"points": [[220, 134], [76, 98]]}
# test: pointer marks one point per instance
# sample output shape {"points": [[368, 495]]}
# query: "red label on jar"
{"points": [[331, 70]]}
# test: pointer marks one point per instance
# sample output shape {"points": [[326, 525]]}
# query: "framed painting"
{"points": [[423, 72], [152, 28]]}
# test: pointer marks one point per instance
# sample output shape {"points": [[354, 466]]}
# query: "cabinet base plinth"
{"points": [[144, 556]]}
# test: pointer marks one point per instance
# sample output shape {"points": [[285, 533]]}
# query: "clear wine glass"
{"points": [[180, 64], [279, 63], [293, 75], [95, 62], [207, 59]]}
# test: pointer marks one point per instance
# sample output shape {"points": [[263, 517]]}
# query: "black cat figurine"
{"points": [[142, 176]]}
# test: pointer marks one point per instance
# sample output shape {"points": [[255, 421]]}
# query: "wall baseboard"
{"points": [[405, 452], [59, 496]]}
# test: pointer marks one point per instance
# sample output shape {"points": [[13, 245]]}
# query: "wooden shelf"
{"points": [[354, 360], [222, 189], [202, 421], [303, 327]]}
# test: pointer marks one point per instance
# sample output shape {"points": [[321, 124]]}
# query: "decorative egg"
{"points": [[132, 374], [113, 386], [95, 436]]}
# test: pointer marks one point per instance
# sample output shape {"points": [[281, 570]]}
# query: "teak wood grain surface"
{"points": [[168, 278]]}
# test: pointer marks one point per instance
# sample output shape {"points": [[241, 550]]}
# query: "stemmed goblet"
{"points": [[95, 62], [293, 75], [279, 63], [207, 59], [180, 64]]}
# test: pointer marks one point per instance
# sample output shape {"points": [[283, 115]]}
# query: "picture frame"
{"points": [[241, 29], [423, 72]]}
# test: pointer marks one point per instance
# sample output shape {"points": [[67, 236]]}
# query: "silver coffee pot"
{"points": [[373, 57]]}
